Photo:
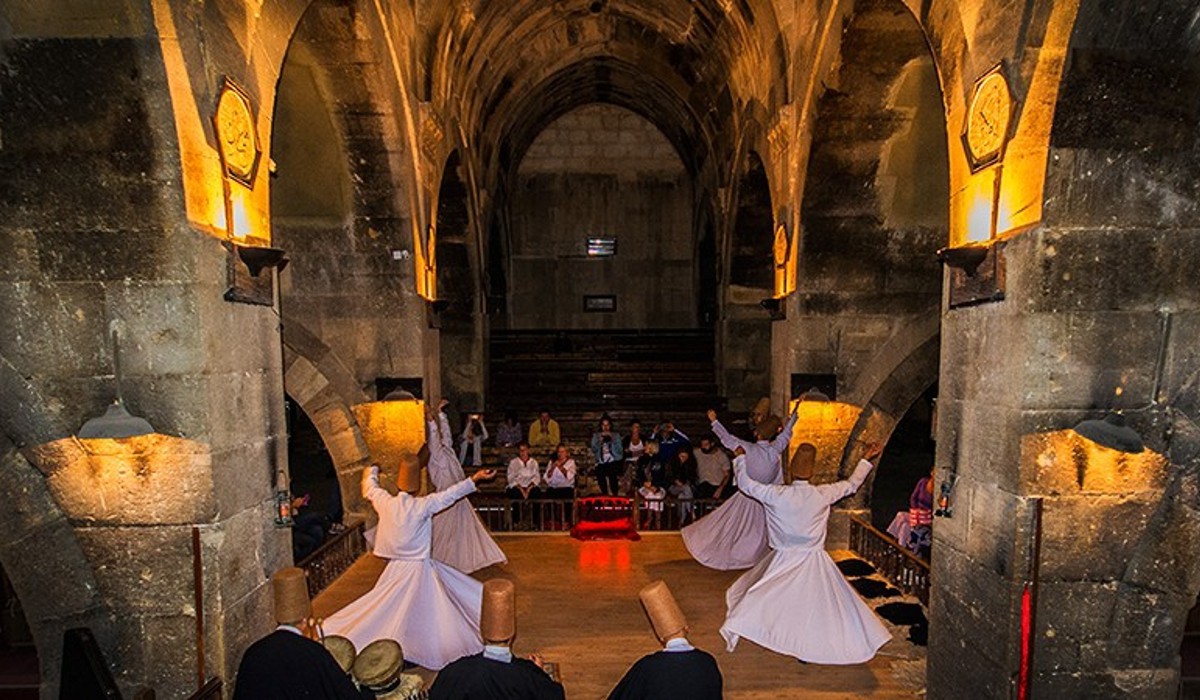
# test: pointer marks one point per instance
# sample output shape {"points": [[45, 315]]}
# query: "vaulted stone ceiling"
{"points": [[690, 66]]}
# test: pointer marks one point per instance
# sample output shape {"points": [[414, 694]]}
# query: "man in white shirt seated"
{"points": [[523, 481], [560, 475]]}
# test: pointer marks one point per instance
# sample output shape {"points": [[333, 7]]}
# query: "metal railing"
{"points": [[332, 558], [902, 568], [503, 514]]}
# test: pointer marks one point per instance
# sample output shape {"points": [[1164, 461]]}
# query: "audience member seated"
{"points": [[678, 672], [670, 441], [920, 517], [713, 470], [286, 664], [496, 673], [308, 529], [560, 475], [683, 467], [509, 433], [607, 450], [651, 467], [473, 435], [633, 446], [652, 503], [544, 433], [681, 491], [523, 481]]}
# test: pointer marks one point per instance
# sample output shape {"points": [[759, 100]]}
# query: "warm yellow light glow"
{"points": [[826, 425], [150, 478], [982, 190], [393, 430], [241, 227], [1065, 462]]}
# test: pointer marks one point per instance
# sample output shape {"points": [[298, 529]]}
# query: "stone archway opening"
{"points": [[461, 333], [746, 326], [874, 213], [908, 458]]}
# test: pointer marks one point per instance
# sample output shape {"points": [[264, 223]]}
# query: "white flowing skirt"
{"points": [[461, 540], [734, 536], [797, 602], [431, 609]]}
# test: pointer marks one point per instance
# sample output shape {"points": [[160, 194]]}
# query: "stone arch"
{"points": [[325, 390], [460, 322], [901, 371], [43, 557]]}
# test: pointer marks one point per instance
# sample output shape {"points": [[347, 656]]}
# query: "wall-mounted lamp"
{"points": [[399, 395], [1113, 433], [283, 501], [814, 394], [257, 259], [116, 423], [966, 258]]}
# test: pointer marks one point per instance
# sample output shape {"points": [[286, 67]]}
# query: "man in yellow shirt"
{"points": [[544, 433]]}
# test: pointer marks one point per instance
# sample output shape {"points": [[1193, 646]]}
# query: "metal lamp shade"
{"points": [[1112, 432], [116, 423]]}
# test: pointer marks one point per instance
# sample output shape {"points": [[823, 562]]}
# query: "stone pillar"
{"points": [[1083, 328], [95, 236]]}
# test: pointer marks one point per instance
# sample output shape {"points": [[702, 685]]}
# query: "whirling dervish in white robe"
{"points": [[734, 536], [796, 601], [459, 536], [430, 608]]}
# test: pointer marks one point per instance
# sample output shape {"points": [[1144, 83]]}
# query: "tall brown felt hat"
{"points": [[498, 617], [291, 595], [768, 427], [663, 611], [409, 478], [379, 663], [342, 650], [761, 409], [804, 461]]}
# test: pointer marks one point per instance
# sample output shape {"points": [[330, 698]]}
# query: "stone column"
{"points": [[94, 236], [1095, 317]]}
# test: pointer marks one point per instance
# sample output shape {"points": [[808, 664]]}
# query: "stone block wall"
{"points": [[96, 238], [602, 171]]}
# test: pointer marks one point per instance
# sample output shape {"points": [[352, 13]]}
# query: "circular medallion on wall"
{"points": [[989, 118], [237, 140]]}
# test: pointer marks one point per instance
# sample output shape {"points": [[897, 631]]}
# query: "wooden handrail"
{"points": [[902, 568]]}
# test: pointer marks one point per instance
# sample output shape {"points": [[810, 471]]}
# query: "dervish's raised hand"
{"points": [[483, 475], [739, 452], [712, 416], [537, 660], [874, 449], [443, 402]]}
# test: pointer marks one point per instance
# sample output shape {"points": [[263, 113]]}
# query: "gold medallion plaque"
{"points": [[237, 140], [988, 119]]}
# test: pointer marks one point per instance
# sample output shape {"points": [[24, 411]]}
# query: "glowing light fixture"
{"points": [[1113, 433], [257, 259], [966, 258], [116, 422], [814, 394]]}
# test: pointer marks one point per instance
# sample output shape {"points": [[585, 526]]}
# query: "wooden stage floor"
{"points": [[577, 605]]}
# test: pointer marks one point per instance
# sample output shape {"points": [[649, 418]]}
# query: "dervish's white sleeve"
{"points": [[840, 489], [727, 439], [784, 438], [441, 500], [447, 439], [763, 493], [371, 490]]}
